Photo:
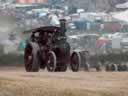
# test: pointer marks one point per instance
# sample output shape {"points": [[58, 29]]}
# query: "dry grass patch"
{"points": [[24, 87], [16, 82]]}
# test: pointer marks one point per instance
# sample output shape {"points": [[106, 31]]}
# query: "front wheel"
{"points": [[30, 57], [75, 61], [51, 62]]}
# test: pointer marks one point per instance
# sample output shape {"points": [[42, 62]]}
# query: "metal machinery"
{"points": [[84, 48], [48, 48]]}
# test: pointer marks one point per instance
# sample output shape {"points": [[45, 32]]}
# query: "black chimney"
{"points": [[63, 26]]}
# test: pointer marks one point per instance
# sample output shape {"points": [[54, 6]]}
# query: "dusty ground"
{"points": [[16, 82]]}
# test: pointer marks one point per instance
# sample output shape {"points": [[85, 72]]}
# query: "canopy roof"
{"points": [[49, 29]]}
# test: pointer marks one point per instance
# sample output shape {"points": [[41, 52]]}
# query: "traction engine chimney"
{"points": [[63, 26]]}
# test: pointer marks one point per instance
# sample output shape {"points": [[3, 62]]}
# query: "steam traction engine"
{"points": [[48, 48]]}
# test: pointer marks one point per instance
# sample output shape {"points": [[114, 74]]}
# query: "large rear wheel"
{"points": [[75, 61], [30, 57], [51, 63]]}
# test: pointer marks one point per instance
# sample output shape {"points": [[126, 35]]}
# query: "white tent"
{"points": [[123, 16], [54, 20]]}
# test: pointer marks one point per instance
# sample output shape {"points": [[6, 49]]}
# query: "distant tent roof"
{"points": [[23, 5], [30, 1], [123, 16]]}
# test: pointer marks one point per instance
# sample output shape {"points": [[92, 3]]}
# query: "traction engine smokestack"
{"points": [[63, 26]]}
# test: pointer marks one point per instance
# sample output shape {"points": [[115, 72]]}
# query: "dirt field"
{"points": [[16, 82]]}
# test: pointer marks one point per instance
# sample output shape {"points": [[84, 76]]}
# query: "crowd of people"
{"points": [[24, 19], [29, 21]]}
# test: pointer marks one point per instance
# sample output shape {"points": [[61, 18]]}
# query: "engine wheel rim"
{"points": [[28, 57], [51, 63]]}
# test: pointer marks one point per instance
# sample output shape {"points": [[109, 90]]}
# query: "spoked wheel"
{"points": [[75, 61], [87, 67], [114, 67], [87, 59], [51, 63], [30, 58]]}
